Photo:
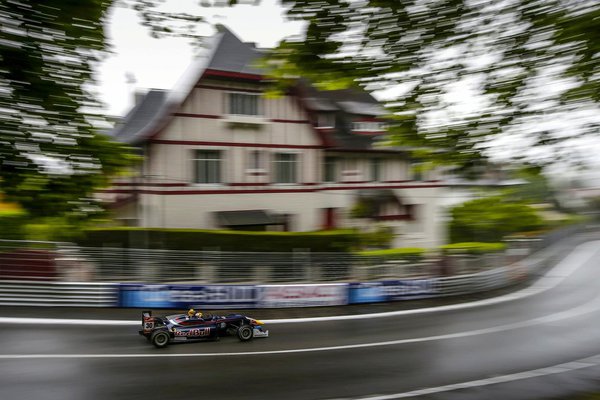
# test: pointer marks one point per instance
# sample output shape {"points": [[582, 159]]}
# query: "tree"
{"points": [[523, 62], [536, 187], [509, 51], [52, 157], [490, 219]]}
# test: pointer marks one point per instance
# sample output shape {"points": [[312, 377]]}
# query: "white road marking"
{"points": [[592, 361], [583, 309], [577, 258]]}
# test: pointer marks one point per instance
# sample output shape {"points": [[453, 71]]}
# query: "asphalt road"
{"points": [[540, 342]]}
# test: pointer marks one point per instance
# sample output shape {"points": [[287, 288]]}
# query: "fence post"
{"points": [[358, 269], [206, 271], [301, 262]]}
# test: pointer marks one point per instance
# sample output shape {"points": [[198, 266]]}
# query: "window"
{"points": [[285, 167], [366, 126], [375, 169], [207, 166], [326, 120], [243, 104], [330, 169]]}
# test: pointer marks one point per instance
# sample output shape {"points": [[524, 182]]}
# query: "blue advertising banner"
{"points": [[410, 289], [365, 293], [373, 292], [183, 296]]}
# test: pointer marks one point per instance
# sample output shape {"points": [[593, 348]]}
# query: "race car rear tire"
{"points": [[160, 339], [245, 333]]}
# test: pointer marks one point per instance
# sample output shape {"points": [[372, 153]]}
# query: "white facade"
{"points": [[226, 147]]}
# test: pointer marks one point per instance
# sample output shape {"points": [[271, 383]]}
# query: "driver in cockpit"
{"points": [[194, 314]]}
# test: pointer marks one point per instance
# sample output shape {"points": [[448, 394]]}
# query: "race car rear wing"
{"points": [[147, 321]]}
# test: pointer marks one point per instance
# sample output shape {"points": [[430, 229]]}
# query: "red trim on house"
{"points": [[123, 201], [369, 133], [276, 120], [368, 119], [382, 187], [403, 217], [339, 150], [234, 75], [229, 89], [214, 191], [272, 189], [190, 115], [149, 184], [235, 144]]}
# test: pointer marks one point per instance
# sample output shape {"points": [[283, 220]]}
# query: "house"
{"points": [[219, 154]]}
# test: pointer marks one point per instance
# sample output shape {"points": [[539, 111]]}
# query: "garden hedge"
{"points": [[194, 239]]}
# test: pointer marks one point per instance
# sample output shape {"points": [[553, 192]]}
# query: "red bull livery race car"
{"points": [[194, 326]]}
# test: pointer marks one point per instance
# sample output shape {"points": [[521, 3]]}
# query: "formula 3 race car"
{"points": [[194, 326]]}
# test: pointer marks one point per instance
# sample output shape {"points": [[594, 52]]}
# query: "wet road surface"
{"points": [[541, 344]]}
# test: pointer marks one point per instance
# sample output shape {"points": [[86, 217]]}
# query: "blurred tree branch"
{"points": [[515, 50], [52, 157]]}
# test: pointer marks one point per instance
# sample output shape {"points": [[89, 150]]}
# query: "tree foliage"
{"points": [[522, 60], [490, 219], [52, 157], [535, 187]]}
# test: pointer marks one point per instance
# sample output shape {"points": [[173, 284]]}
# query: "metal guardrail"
{"points": [[62, 262], [34, 273], [27, 293]]}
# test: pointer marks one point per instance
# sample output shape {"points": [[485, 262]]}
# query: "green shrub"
{"points": [[405, 253], [195, 239], [473, 248], [12, 225], [380, 238], [491, 219]]}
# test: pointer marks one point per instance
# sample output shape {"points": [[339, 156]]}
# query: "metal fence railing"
{"points": [[34, 273], [63, 262]]}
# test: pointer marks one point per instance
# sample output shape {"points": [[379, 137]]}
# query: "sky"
{"points": [[159, 63]]}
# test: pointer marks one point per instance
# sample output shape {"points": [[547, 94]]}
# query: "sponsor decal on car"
{"points": [[196, 332]]}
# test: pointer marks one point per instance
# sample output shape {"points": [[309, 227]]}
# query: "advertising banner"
{"points": [[369, 292], [281, 296], [373, 292], [410, 289], [183, 296]]}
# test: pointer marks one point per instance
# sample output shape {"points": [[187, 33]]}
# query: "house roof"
{"points": [[156, 108], [352, 101], [233, 55], [141, 116], [227, 53]]}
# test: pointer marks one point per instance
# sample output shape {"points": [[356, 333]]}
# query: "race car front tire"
{"points": [[245, 333], [160, 339]]}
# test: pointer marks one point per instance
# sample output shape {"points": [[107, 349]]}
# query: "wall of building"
{"points": [[203, 123], [306, 210]]}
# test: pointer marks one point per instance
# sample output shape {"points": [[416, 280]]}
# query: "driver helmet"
{"points": [[191, 312], [198, 314]]}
